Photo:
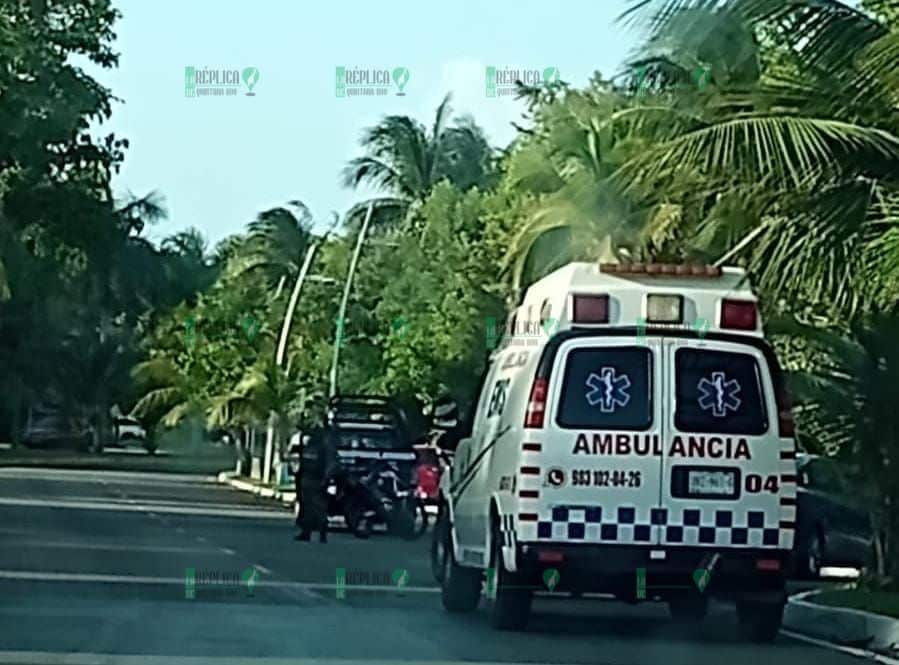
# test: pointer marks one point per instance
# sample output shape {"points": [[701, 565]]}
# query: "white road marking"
{"points": [[853, 651], [59, 658], [100, 578], [102, 475], [227, 550], [145, 507], [114, 547], [262, 569]]}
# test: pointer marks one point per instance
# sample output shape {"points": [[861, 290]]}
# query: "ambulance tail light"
{"points": [[533, 418], [550, 556], [767, 565], [739, 314], [590, 308]]}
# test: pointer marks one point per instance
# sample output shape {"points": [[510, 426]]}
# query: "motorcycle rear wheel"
{"points": [[403, 523]]}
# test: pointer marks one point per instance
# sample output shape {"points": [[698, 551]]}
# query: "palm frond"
{"points": [[789, 148]]}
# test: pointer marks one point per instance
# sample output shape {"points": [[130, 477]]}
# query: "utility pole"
{"points": [[338, 333], [294, 299], [282, 349]]}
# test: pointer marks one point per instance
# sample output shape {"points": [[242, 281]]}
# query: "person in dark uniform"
{"points": [[318, 463]]}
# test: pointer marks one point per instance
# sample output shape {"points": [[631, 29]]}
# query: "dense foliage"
{"points": [[760, 133]]}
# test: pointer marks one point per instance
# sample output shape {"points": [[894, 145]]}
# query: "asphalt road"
{"points": [[94, 564]]}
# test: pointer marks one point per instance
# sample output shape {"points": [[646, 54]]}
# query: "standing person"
{"points": [[318, 463]]}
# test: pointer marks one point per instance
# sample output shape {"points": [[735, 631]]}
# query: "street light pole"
{"points": [[282, 348], [294, 299], [338, 333]]}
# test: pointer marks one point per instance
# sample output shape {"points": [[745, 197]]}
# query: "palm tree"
{"points": [[792, 171], [567, 164], [405, 160], [168, 394], [847, 401], [279, 247], [275, 245]]}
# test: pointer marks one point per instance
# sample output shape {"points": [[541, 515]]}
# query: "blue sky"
{"points": [[220, 160]]}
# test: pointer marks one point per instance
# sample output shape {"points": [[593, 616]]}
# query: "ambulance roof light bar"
{"points": [[666, 269]]}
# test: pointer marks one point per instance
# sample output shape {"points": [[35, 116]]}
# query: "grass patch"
{"points": [[879, 602]]}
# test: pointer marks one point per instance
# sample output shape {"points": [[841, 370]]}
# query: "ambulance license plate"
{"points": [[712, 482]]}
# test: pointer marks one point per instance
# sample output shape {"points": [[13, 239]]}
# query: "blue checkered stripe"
{"points": [[621, 525]]}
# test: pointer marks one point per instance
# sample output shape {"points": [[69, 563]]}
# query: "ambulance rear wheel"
{"points": [[760, 622], [509, 601], [460, 587]]}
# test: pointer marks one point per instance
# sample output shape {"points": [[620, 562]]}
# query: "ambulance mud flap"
{"points": [[506, 534]]}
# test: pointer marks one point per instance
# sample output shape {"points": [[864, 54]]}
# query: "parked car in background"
{"points": [[49, 426], [128, 430], [833, 528]]}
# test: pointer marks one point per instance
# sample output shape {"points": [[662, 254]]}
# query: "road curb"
{"points": [[846, 627], [238, 483]]}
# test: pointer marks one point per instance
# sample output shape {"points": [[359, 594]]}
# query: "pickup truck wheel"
{"points": [[509, 602], [460, 587], [760, 621]]}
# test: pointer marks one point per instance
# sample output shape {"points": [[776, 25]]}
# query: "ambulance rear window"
{"points": [[607, 388], [718, 392]]}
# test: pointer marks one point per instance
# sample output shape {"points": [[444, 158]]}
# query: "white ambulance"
{"points": [[631, 436]]}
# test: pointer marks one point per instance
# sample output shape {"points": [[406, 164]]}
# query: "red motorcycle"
{"points": [[430, 465]]}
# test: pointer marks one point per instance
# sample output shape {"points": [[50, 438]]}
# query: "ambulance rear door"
{"points": [[601, 458], [723, 473]]}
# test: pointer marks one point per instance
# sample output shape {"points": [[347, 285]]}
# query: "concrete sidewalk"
{"points": [[869, 633], [277, 493]]}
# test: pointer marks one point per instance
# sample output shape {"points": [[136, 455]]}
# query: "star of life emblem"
{"points": [[608, 389], [719, 395]]}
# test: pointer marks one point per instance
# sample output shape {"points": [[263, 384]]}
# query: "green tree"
{"points": [[405, 160], [848, 398], [792, 174]]}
